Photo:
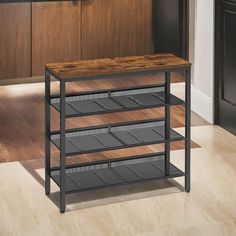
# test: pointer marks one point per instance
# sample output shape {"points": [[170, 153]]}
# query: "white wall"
{"points": [[202, 56]]}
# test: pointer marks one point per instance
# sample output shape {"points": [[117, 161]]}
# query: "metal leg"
{"points": [[62, 148], [167, 123], [47, 134], [187, 129]]}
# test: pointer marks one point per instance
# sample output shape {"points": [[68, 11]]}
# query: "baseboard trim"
{"points": [[27, 80], [201, 104]]}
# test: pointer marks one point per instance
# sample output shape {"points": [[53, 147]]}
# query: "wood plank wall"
{"points": [[116, 28], [56, 33], [15, 38]]}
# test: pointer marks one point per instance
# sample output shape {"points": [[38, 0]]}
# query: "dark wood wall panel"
{"points": [[14, 40], [116, 28], [56, 35]]}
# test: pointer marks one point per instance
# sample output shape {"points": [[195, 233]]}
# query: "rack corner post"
{"points": [[47, 133], [62, 147], [167, 122], [187, 129]]}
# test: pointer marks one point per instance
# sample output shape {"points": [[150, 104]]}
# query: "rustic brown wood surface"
{"points": [[114, 65]]}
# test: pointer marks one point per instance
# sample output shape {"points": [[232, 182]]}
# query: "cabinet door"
{"points": [[55, 33], [170, 32], [15, 40], [226, 65], [116, 28]]}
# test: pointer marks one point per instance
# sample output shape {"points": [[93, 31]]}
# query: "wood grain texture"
{"points": [[116, 65], [15, 40], [56, 28], [116, 28]]}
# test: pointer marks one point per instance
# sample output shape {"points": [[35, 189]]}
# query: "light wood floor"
{"points": [[157, 208], [150, 209]]}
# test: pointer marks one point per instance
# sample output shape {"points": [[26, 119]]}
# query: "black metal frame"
{"points": [[173, 175], [122, 109], [187, 129], [167, 122], [63, 132]]}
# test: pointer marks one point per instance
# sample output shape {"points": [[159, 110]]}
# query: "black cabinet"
{"points": [[170, 26], [226, 65]]}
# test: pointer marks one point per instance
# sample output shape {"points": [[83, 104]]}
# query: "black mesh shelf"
{"points": [[116, 137], [118, 173], [117, 101]]}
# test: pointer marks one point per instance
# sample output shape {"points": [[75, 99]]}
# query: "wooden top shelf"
{"points": [[117, 65]]}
